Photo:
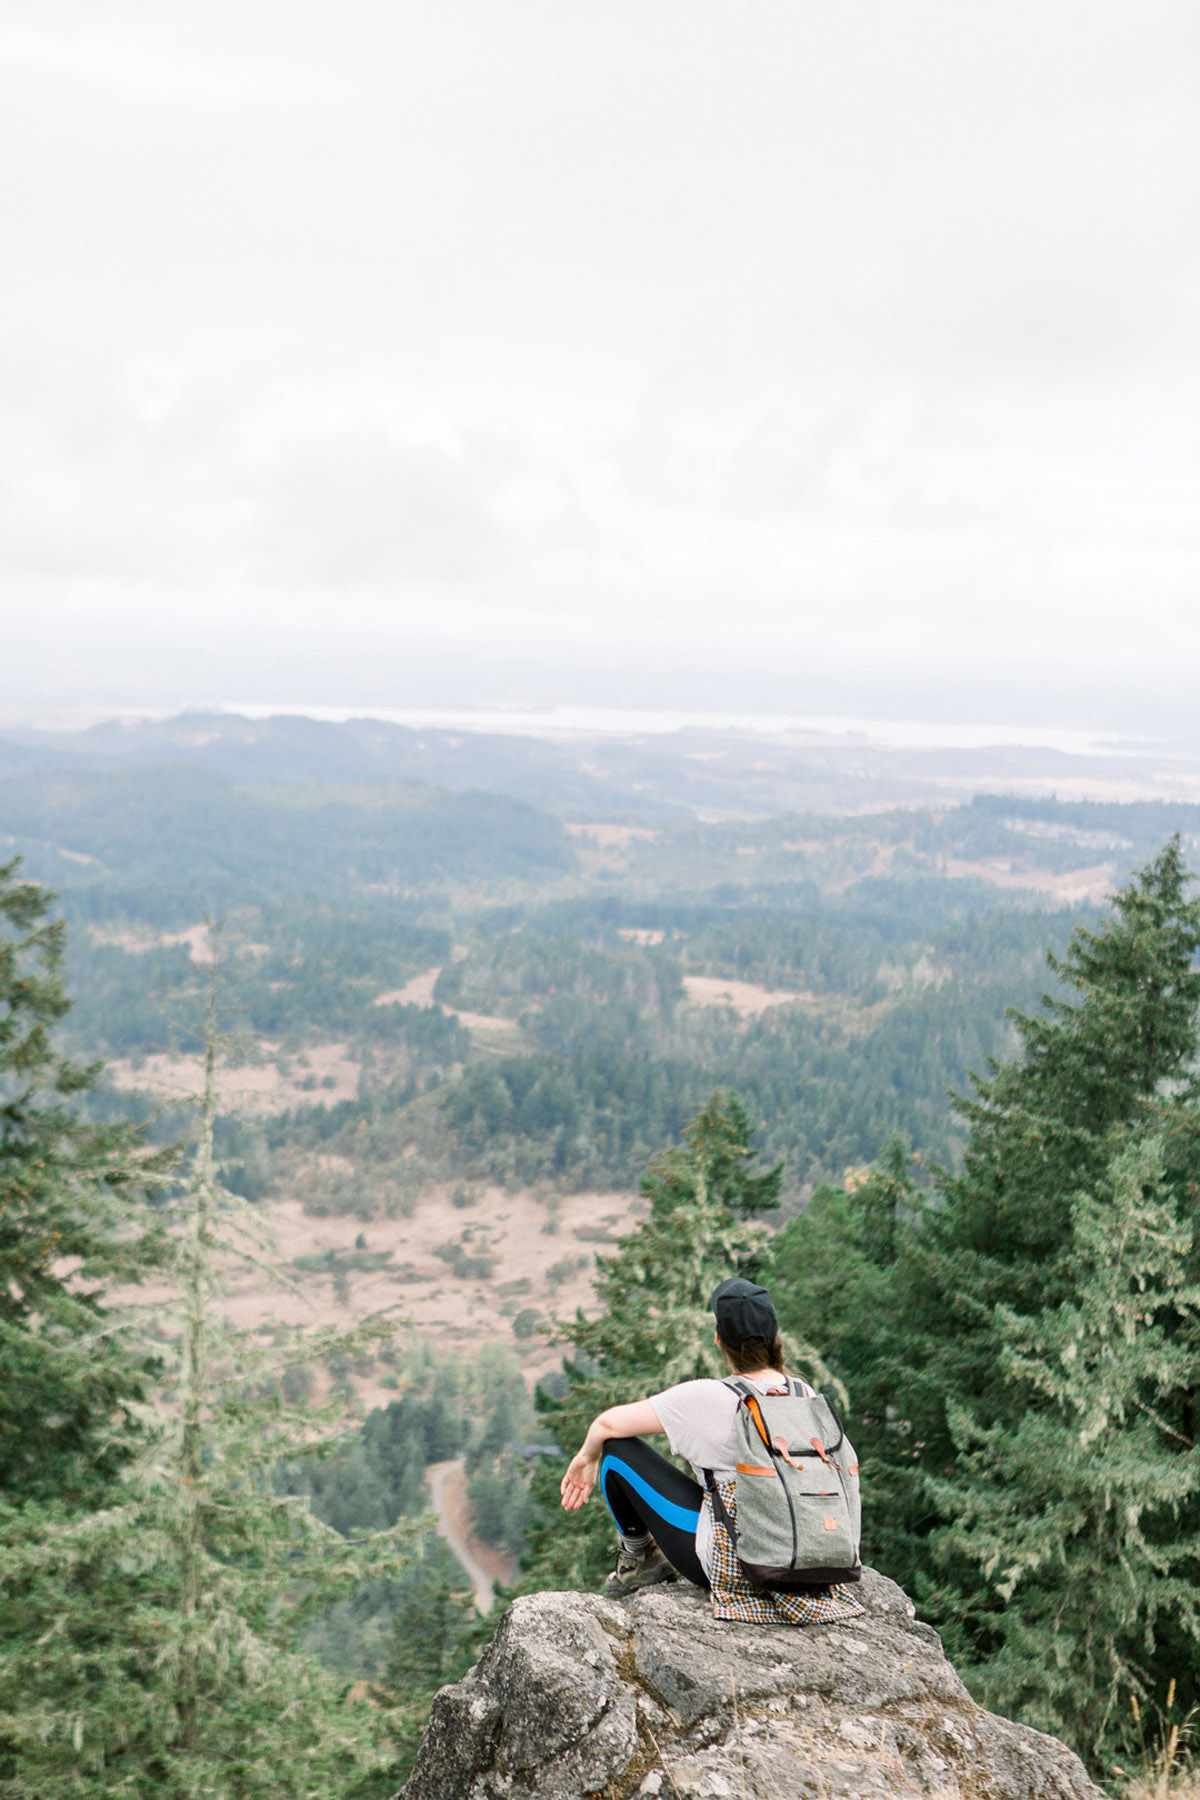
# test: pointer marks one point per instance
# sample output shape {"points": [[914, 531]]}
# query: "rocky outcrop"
{"points": [[580, 1696]]}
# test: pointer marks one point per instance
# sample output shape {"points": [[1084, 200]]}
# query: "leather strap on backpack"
{"points": [[720, 1510]]}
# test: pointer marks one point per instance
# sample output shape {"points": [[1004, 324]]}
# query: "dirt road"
{"points": [[447, 1496]]}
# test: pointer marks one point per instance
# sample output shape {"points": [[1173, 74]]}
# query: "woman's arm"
{"points": [[638, 1419]]}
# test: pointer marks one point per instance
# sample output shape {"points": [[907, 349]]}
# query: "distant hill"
{"points": [[25, 759], [179, 828], [645, 778], [289, 749]]}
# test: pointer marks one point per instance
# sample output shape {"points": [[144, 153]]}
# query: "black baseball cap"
{"points": [[743, 1310]]}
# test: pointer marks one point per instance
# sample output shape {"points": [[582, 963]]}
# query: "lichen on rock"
{"points": [[579, 1696]]}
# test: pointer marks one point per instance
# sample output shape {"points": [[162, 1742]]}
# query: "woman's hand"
{"points": [[637, 1419], [577, 1484]]}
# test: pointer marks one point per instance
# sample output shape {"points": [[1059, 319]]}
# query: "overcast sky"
{"points": [[833, 356]]}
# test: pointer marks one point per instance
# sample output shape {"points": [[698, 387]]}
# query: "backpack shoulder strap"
{"points": [[801, 1389], [744, 1391]]}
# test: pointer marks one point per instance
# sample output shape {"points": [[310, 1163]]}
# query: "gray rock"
{"points": [[579, 1696]]}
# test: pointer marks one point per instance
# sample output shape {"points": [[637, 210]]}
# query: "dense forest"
{"points": [[886, 978], [530, 1009]]}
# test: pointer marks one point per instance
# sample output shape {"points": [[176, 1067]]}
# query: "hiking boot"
{"points": [[638, 1569]]}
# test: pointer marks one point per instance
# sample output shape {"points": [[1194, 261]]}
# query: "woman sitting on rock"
{"points": [[664, 1518]]}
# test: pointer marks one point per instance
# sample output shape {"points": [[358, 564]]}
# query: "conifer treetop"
{"points": [[73, 1223], [1117, 1044], [1130, 1019]]}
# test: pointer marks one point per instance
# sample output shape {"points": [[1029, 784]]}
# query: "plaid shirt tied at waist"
{"points": [[735, 1596]]}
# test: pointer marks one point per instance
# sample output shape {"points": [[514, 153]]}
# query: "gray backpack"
{"points": [[799, 1516]]}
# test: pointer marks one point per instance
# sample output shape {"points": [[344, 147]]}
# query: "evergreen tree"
{"points": [[1081, 1517], [500, 1503], [976, 1328], [151, 1644], [1112, 1052], [73, 1221], [838, 1277], [436, 1635], [1110, 1055], [654, 1327]]}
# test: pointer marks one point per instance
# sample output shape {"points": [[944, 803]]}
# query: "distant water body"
{"points": [[595, 721]]}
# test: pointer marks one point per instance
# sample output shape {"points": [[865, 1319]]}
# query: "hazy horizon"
{"points": [[566, 721]]}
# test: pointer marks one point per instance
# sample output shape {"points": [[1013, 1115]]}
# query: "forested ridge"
{"points": [[979, 1222], [888, 946]]}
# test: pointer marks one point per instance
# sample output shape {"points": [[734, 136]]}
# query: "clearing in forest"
{"points": [[748, 999], [319, 1072]]}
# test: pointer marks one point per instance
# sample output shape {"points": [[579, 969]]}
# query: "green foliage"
{"points": [[73, 1220], [104, 1692], [839, 1278], [1109, 1057], [1082, 1517], [378, 1475], [1021, 1348], [339, 1262], [172, 829], [434, 1625], [537, 1116], [501, 1504], [504, 976], [831, 1084], [151, 1644], [436, 1635], [909, 977], [301, 973], [567, 993], [498, 1486], [502, 1414]]}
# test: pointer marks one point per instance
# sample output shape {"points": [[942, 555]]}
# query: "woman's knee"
{"points": [[628, 1448]]}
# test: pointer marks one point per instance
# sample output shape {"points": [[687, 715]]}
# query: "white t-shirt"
{"points": [[698, 1418]]}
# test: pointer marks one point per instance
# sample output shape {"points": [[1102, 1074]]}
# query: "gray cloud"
{"points": [[806, 344], [357, 509]]}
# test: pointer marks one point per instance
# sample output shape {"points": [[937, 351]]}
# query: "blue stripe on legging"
{"points": [[666, 1509]]}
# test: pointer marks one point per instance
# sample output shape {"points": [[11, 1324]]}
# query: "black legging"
{"points": [[645, 1493]]}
